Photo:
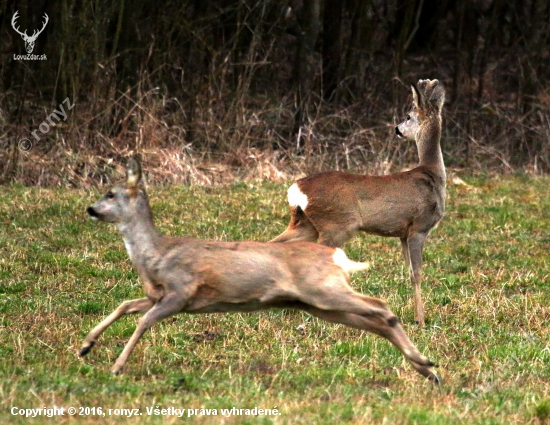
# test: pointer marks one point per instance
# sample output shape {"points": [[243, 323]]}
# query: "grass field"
{"points": [[487, 303]]}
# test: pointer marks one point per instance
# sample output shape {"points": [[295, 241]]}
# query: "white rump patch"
{"points": [[341, 259], [296, 198]]}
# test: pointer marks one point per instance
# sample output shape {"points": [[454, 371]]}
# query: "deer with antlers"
{"points": [[330, 207], [195, 276], [29, 40]]}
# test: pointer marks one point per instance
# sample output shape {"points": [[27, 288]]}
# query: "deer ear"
{"points": [[417, 97], [437, 96], [133, 173]]}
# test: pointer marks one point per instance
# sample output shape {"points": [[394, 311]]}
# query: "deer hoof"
{"points": [[86, 349]]}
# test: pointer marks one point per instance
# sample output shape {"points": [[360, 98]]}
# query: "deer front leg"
{"points": [[405, 251], [415, 245], [167, 306], [140, 305]]}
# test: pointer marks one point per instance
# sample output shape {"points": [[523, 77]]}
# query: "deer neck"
{"points": [[141, 238], [429, 148]]}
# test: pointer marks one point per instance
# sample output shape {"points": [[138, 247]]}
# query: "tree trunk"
{"points": [[303, 69], [332, 49]]}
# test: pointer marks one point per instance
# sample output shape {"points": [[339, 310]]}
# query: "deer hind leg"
{"points": [[140, 305], [336, 230], [413, 257], [335, 301], [300, 228], [167, 306], [389, 329], [335, 294], [335, 236]]}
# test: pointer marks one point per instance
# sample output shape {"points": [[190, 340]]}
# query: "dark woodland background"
{"points": [[209, 90]]}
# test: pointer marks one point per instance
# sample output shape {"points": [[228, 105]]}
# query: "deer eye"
{"points": [[408, 117], [110, 195]]}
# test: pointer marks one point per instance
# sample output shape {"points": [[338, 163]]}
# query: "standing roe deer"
{"points": [[194, 276], [332, 206]]}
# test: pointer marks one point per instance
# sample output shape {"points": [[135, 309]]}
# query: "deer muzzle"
{"points": [[92, 213]]}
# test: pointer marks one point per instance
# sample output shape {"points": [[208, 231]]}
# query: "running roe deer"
{"points": [[195, 276], [332, 206]]}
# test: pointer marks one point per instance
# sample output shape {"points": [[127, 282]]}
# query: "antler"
{"points": [[36, 33], [15, 16]]}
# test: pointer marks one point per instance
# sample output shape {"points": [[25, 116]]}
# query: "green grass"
{"points": [[487, 302]]}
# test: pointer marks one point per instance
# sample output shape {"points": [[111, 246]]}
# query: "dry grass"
{"points": [[222, 136]]}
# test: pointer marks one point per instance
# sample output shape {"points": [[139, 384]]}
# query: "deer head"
{"points": [[29, 41], [428, 99]]}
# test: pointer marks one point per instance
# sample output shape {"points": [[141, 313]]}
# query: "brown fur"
{"points": [[405, 205]]}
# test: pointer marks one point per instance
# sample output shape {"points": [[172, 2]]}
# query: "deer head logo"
{"points": [[29, 41]]}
